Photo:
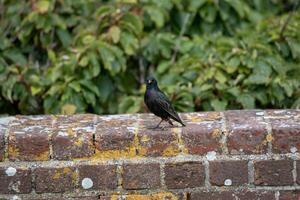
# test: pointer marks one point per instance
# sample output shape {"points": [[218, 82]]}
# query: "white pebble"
{"points": [[10, 171], [211, 155], [87, 183], [15, 198], [228, 182], [293, 149]]}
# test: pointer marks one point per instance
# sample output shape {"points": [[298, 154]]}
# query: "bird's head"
{"points": [[151, 83]]}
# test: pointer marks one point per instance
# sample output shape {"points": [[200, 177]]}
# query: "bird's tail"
{"points": [[182, 123]]}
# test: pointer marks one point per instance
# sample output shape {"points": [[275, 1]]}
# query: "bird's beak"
{"points": [[149, 81]]}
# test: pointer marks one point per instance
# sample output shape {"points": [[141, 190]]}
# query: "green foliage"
{"points": [[93, 56]]}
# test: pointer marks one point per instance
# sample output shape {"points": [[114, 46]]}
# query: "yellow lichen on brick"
{"points": [[57, 174], [42, 156], [79, 142], [154, 196], [181, 144], [216, 133], [173, 148], [171, 151], [210, 116], [114, 154], [145, 138], [269, 138], [13, 152]]}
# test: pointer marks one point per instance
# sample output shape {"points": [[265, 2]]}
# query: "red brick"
{"points": [[157, 142], [289, 195], [116, 133], [103, 176], [76, 142], [15, 182], [236, 171], [233, 195], [246, 132], [273, 173], [286, 134], [52, 180], [73, 137], [184, 175], [202, 137], [29, 143], [141, 176], [109, 138]]}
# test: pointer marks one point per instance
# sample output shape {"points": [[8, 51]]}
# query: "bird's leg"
{"points": [[159, 124]]}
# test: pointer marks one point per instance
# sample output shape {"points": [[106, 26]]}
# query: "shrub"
{"points": [[93, 56]]}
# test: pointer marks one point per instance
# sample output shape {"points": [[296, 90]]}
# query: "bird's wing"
{"points": [[166, 105]]}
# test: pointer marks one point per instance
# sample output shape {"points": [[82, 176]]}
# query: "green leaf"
{"points": [[84, 61], [15, 56], [64, 37], [156, 15], [134, 22], [247, 101], [219, 105], [96, 68], [89, 97], [42, 6], [91, 86], [129, 43], [114, 32]]}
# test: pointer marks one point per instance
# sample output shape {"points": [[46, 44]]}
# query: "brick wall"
{"points": [[228, 155]]}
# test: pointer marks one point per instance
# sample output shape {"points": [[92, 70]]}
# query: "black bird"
{"points": [[159, 104]]}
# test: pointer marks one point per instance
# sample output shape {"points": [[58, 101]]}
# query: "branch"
{"points": [[182, 31], [284, 26]]}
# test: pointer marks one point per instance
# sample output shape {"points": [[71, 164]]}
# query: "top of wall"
{"points": [[92, 137]]}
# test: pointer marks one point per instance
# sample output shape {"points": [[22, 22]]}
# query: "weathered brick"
{"points": [[202, 137], [285, 132], [273, 172], [76, 142], [157, 142], [52, 180], [233, 195], [235, 173], [247, 133], [184, 175], [103, 177], [115, 136], [289, 195], [73, 137], [29, 143], [15, 180], [141, 176]]}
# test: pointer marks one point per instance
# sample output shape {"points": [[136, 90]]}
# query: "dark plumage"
{"points": [[159, 104]]}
